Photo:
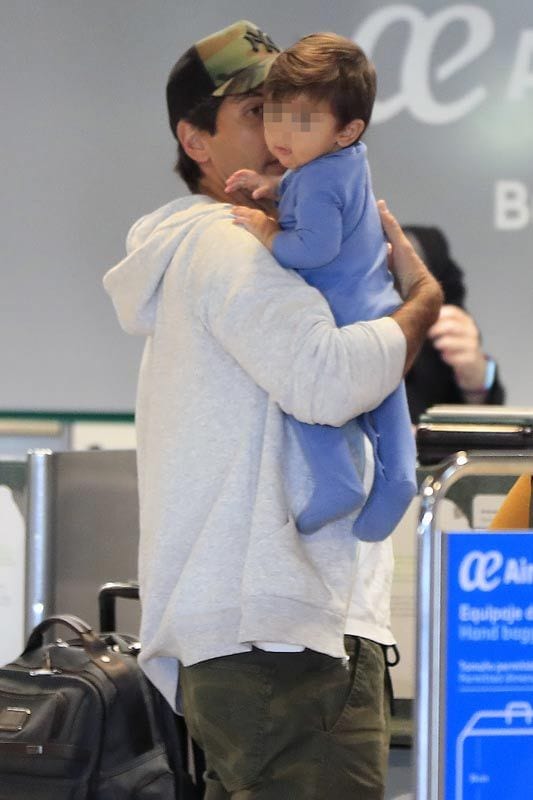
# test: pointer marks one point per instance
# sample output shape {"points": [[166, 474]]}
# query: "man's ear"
{"points": [[192, 141], [350, 133]]}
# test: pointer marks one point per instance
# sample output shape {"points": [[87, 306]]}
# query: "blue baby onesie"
{"points": [[332, 236]]}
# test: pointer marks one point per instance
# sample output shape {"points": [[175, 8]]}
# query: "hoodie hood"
{"points": [[135, 282]]}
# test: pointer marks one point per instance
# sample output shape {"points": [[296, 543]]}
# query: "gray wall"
{"points": [[85, 150]]}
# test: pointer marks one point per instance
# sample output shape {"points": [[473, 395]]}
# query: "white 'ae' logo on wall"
{"points": [[416, 74]]}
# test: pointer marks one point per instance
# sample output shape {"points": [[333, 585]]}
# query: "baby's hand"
{"points": [[263, 228], [258, 185]]}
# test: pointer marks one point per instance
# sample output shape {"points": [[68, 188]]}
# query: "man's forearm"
{"points": [[421, 293], [418, 313]]}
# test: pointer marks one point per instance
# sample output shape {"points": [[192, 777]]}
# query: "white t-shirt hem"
{"points": [[373, 632]]}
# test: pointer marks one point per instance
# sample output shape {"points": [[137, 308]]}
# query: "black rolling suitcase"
{"points": [[185, 758]]}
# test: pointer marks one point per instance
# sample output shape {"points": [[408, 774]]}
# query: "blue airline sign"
{"points": [[488, 688]]}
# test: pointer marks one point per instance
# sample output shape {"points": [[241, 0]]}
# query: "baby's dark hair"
{"points": [[325, 66]]}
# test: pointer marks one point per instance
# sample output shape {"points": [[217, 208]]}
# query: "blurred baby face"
{"points": [[299, 130]]}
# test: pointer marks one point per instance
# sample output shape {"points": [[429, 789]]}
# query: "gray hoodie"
{"points": [[232, 339]]}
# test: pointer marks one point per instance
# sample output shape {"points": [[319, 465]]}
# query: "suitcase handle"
{"points": [[107, 601], [91, 644]]}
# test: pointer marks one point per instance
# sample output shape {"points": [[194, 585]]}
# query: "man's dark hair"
{"points": [[324, 66], [204, 117]]}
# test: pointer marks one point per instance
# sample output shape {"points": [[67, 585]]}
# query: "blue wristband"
{"points": [[490, 373]]}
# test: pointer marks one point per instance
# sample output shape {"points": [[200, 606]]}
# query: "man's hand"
{"points": [[257, 185], [404, 262], [456, 336], [419, 290], [263, 228]]}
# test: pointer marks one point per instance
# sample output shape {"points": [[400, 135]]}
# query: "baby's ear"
{"points": [[350, 133]]}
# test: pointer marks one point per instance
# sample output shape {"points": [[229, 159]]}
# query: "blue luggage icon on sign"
{"points": [[494, 754]]}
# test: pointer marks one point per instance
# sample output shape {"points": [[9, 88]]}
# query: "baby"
{"points": [[319, 96]]}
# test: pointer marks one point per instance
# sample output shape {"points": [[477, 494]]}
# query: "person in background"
{"points": [[516, 511], [452, 366]]}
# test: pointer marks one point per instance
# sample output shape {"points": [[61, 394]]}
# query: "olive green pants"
{"points": [[291, 726]]}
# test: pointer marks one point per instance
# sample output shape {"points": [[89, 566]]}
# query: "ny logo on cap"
{"points": [[257, 37]]}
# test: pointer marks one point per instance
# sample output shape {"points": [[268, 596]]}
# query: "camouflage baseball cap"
{"points": [[231, 61]]}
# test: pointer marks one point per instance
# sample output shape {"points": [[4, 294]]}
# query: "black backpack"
{"points": [[79, 721]]}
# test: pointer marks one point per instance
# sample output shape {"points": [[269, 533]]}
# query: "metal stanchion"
{"points": [[39, 543]]}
